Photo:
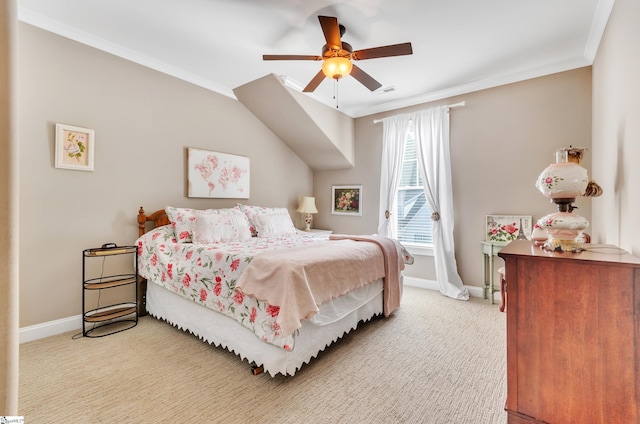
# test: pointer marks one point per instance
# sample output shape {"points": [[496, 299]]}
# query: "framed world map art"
{"points": [[506, 228], [217, 175]]}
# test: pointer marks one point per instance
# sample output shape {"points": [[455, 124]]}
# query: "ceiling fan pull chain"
{"points": [[335, 92]]}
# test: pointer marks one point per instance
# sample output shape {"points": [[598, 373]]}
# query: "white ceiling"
{"points": [[459, 46]]}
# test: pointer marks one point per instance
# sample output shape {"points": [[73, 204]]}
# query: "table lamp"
{"points": [[307, 207], [562, 182]]}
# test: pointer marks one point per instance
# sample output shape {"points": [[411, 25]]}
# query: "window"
{"points": [[414, 223]]}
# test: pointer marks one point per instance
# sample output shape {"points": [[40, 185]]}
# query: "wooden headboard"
{"points": [[158, 218]]}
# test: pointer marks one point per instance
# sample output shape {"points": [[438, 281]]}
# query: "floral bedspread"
{"points": [[207, 274]]}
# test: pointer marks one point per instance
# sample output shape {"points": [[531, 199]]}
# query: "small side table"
{"points": [[94, 279], [489, 250], [318, 231]]}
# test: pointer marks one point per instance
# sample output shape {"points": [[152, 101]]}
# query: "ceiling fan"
{"points": [[337, 56]]}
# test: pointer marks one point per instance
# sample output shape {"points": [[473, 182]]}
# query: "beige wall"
{"points": [[616, 129], [500, 142], [8, 215], [143, 121]]}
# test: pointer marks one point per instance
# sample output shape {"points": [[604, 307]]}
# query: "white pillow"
{"points": [[274, 225], [221, 227], [253, 212]]}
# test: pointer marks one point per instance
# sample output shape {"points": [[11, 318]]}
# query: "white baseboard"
{"points": [[59, 326], [422, 283], [51, 328]]}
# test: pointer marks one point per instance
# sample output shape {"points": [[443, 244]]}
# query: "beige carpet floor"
{"points": [[436, 360]]}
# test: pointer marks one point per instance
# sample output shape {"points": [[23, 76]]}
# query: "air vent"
{"points": [[385, 90]]}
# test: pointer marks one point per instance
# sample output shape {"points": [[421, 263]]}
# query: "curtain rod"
{"points": [[459, 104]]}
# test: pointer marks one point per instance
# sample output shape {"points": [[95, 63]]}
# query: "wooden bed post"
{"points": [[142, 219], [142, 282], [142, 296], [158, 218]]}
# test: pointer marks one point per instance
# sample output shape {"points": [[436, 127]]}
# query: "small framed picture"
{"points": [[74, 147], [506, 228], [347, 200]]}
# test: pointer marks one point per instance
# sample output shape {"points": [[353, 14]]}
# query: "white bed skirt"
{"points": [[334, 319]]}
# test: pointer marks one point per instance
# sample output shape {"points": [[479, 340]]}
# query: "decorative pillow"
{"points": [[221, 227], [274, 225], [254, 211], [183, 220]]}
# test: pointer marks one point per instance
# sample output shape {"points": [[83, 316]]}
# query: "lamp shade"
{"points": [[563, 180], [307, 205], [336, 67]]}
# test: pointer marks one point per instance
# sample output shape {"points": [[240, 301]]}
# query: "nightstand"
{"points": [[321, 232], [95, 279]]}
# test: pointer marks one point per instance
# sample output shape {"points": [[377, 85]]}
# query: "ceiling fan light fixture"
{"points": [[337, 67], [337, 56]]}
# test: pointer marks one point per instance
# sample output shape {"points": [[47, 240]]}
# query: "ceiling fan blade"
{"points": [[289, 57], [331, 31], [384, 51], [364, 78], [315, 82]]}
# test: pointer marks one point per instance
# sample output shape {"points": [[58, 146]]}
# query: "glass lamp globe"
{"points": [[562, 182]]}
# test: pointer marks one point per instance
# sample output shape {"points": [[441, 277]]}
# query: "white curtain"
{"points": [[394, 132], [432, 148]]}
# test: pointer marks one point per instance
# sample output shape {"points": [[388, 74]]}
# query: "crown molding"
{"points": [[601, 17], [74, 34]]}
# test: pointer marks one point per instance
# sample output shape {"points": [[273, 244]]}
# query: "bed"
{"points": [[246, 280]]}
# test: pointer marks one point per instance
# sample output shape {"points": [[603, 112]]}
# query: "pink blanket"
{"points": [[298, 280], [393, 264]]}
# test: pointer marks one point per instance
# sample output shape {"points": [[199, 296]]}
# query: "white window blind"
{"points": [[413, 214]]}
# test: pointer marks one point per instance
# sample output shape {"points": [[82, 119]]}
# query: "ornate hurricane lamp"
{"points": [[562, 182]]}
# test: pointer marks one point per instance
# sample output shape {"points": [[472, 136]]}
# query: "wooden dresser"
{"points": [[573, 335]]}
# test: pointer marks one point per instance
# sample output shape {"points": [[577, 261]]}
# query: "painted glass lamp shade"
{"points": [[564, 180]]}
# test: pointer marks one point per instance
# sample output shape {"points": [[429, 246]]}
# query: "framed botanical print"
{"points": [[74, 147], [347, 200]]}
